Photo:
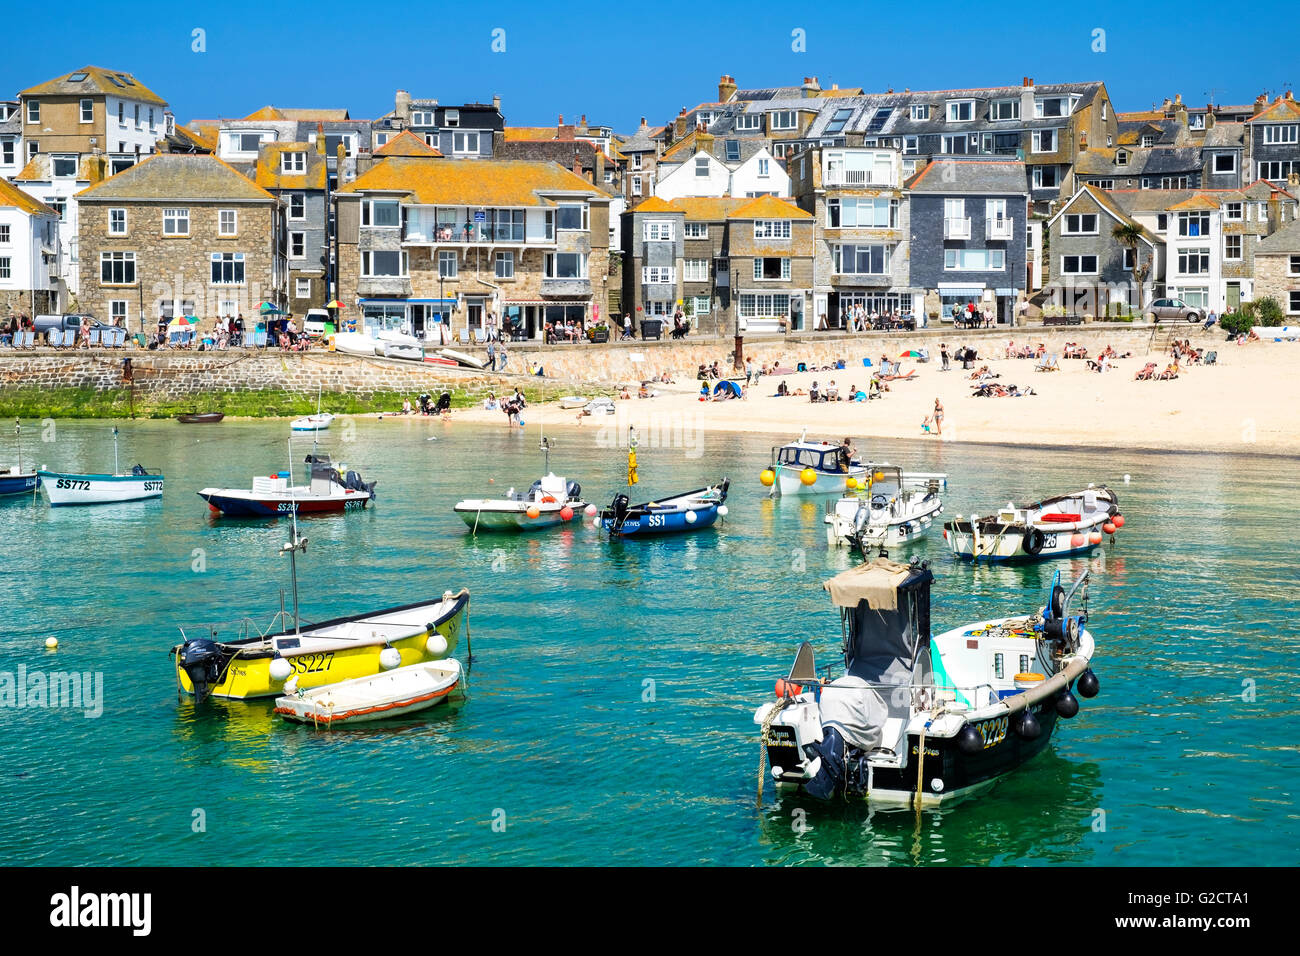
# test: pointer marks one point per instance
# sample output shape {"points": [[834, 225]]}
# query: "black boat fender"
{"points": [[970, 741], [1033, 541], [1088, 685]]}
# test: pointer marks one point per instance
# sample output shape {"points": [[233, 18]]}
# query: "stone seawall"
{"points": [[176, 374]]}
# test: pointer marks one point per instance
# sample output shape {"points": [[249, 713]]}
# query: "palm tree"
{"points": [[1129, 234]]}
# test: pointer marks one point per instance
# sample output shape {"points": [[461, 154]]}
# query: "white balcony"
{"points": [[956, 228], [998, 228]]}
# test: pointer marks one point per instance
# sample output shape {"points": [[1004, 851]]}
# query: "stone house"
{"points": [[180, 235], [1275, 139], [1277, 269], [429, 241], [29, 251], [862, 237], [1089, 268], [297, 174], [968, 221], [92, 110]]}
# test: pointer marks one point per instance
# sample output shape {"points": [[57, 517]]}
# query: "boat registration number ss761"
{"points": [[73, 484]]}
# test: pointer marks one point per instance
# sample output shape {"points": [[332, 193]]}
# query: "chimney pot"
{"points": [[561, 121], [643, 122]]}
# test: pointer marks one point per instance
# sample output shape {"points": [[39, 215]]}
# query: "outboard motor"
{"points": [[573, 490], [860, 517], [138, 470], [830, 777], [620, 509], [354, 482], [200, 658]]}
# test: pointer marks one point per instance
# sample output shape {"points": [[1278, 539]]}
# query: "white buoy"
{"points": [[280, 669], [722, 511], [590, 511], [51, 643], [1126, 479], [389, 658], [690, 517], [291, 685], [436, 645]]}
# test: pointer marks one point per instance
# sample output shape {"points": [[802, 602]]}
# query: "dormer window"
{"points": [[785, 120], [1148, 140], [1004, 110], [293, 162], [921, 111], [961, 111], [1121, 157], [451, 117], [1049, 106], [1196, 121], [422, 118]]}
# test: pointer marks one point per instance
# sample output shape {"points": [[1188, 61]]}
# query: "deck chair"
{"points": [[1047, 364], [29, 339], [480, 337], [463, 337], [95, 337]]}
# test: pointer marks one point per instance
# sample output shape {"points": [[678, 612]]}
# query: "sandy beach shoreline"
{"points": [[1244, 405]]}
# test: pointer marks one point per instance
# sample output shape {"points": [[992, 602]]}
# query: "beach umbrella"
{"points": [[336, 304], [910, 353], [267, 308]]}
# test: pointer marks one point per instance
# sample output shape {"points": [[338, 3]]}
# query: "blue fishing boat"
{"points": [[15, 479], [692, 511]]}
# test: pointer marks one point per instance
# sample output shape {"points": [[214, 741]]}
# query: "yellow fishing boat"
{"points": [[326, 653]]}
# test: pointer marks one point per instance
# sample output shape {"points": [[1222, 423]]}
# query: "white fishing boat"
{"points": [[15, 479], [463, 358], [808, 467], [399, 345], [574, 401], [356, 343], [139, 483], [330, 488], [550, 501], [395, 693], [895, 507], [916, 719], [1052, 528], [313, 423]]}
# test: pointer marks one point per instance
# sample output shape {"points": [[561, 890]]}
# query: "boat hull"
{"points": [[673, 522], [23, 483], [249, 677], [789, 481], [201, 418], [65, 489], [244, 504], [396, 693], [503, 516], [312, 423]]}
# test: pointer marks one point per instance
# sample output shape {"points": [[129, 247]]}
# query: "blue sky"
{"points": [[616, 63]]}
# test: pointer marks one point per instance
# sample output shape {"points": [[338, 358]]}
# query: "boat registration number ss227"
{"points": [[311, 663], [73, 484]]}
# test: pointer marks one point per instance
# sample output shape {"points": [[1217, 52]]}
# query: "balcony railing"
{"points": [[998, 228], [853, 177], [476, 234], [956, 228]]}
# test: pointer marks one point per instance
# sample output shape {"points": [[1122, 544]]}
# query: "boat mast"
{"points": [[18, 430], [293, 546], [116, 470]]}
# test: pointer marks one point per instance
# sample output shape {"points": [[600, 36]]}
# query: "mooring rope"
{"points": [[763, 742]]}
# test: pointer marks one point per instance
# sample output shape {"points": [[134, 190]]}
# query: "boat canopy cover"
{"points": [[876, 582]]}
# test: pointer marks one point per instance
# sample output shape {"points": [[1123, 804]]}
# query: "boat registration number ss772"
{"points": [[74, 484], [153, 486]]}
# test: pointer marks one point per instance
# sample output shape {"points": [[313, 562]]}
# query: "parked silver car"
{"points": [[1162, 309]]}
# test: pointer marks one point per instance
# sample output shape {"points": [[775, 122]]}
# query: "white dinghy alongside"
{"points": [[895, 507], [394, 693]]}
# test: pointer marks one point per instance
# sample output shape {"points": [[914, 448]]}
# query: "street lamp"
{"points": [[738, 358]]}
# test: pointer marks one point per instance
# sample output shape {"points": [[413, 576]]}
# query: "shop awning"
{"points": [[968, 290], [396, 301], [548, 302]]}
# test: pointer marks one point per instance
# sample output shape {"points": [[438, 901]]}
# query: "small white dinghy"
{"points": [[403, 690], [68, 489], [312, 423], [463, 358], [574, 401]]}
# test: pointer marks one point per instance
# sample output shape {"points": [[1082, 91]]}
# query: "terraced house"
{"points": [[1275, 139], [179, 235], [29, 249], [720, 259], [862, 240], [1092, 271], [93, 110], [425, 241]]}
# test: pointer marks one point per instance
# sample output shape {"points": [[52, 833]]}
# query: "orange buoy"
{"points": [[1076, 540], [785, 688], [566, 513], [1117, 521], [533, 512], [1109, 528], [1095, 537], [548, 499]]}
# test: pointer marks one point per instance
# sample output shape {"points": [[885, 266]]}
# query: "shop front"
{"points": [[527, 318], [416, 317]]}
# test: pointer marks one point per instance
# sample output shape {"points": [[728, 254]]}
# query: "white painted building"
{"points": [[55, 181], [29, 254], [706, 175]]}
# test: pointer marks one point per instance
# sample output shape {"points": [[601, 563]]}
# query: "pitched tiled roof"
{"points": [[1140, 116], [970, 176], [529, 133], [708, 208], [1194, 202], [655, 204], [407, 143], [268, 173], [769, 207], [1286, 241], [13, 197], [1102, 199], [473, 182], [1282, 110], [90, 169], [1224, 134], [642, 141], [176, 176], [209, 134], [95, 80]]}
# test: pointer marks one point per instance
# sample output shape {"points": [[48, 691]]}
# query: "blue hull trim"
{"points": [[1031, 558], [670, 523], [242, 508], [11, 486]]}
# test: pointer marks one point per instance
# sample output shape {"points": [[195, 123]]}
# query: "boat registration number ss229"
{"points": [[73, 484]]}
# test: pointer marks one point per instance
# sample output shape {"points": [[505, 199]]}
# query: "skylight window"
{"points": [[126, 79], [116, 82], [733, 150], [878, 121], [77, 77], [838, 120]]}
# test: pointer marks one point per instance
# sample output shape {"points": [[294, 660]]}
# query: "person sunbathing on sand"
{"points": [[1147, 372], [1170, 372]]}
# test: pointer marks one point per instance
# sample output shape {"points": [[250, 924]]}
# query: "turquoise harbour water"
{"points": [[1189, 756]]}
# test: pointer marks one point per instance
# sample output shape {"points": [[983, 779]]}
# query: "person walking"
{"points": [[627, 325], [492, 355], [749, 372], [943, 353]]}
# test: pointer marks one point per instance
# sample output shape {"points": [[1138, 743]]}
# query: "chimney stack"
{"points": [[1289, 96], [496, 102], [1261, 101], [726, 88], [402, 107], [679, 125], [810, 86]]}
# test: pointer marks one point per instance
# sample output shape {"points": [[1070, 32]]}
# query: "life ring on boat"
{"points": [[1033, 541], [548, 499]]}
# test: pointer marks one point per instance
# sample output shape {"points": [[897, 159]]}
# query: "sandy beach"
{"points": [[1245, 404]]}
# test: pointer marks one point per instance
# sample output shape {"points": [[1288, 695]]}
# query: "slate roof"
{"points": [[995, 176], [473, 182], [97, 82], [14, 198], [299, 115], [13, 125], [177, 176], [1282, 110], [642, 141], [1284, 242], [1103, 199]]}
